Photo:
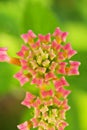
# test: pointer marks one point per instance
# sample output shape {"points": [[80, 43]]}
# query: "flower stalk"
{"points": [[45, 58]]}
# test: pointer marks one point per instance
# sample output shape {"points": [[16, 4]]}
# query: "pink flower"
{"points": [[23, 51], [46, 38], [60, 83], [60, 35], [23, 126], [55, 45], [62, 125], [74, 66], [28, 101], [53, 66], [21, 77], [37, 81], [24, 64], [28, 37], [49, 76], [49, 110], [63, 92], [65, 105], [69, 51], [61, 69], [57, 101], [47, 93], [35, 122], [3, 55], [44, 60], [37, 103], [36, 45]]}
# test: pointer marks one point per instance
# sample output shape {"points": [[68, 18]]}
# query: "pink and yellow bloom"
{"points": [[49, 109], [42, 59]]}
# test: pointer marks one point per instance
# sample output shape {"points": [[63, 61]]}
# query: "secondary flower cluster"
{"points": [[49, 110], [43, 59]]}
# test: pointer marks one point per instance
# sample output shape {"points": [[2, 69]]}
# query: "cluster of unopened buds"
{"points": [[44, 60]]}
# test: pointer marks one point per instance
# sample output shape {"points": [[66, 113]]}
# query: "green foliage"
{"points": [[38, 18], [7, 24]]}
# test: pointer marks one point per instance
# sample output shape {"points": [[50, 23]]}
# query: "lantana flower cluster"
{"points": [[44, 59]]}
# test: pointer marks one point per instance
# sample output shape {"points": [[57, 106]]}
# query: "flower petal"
{"points": [[45, 38], [45, 94], [28, 101], [21, 77], [3, 55], [23, 126], [30, 35]]}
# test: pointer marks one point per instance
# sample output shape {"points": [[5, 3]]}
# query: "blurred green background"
{"points": [[42, 16]]}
